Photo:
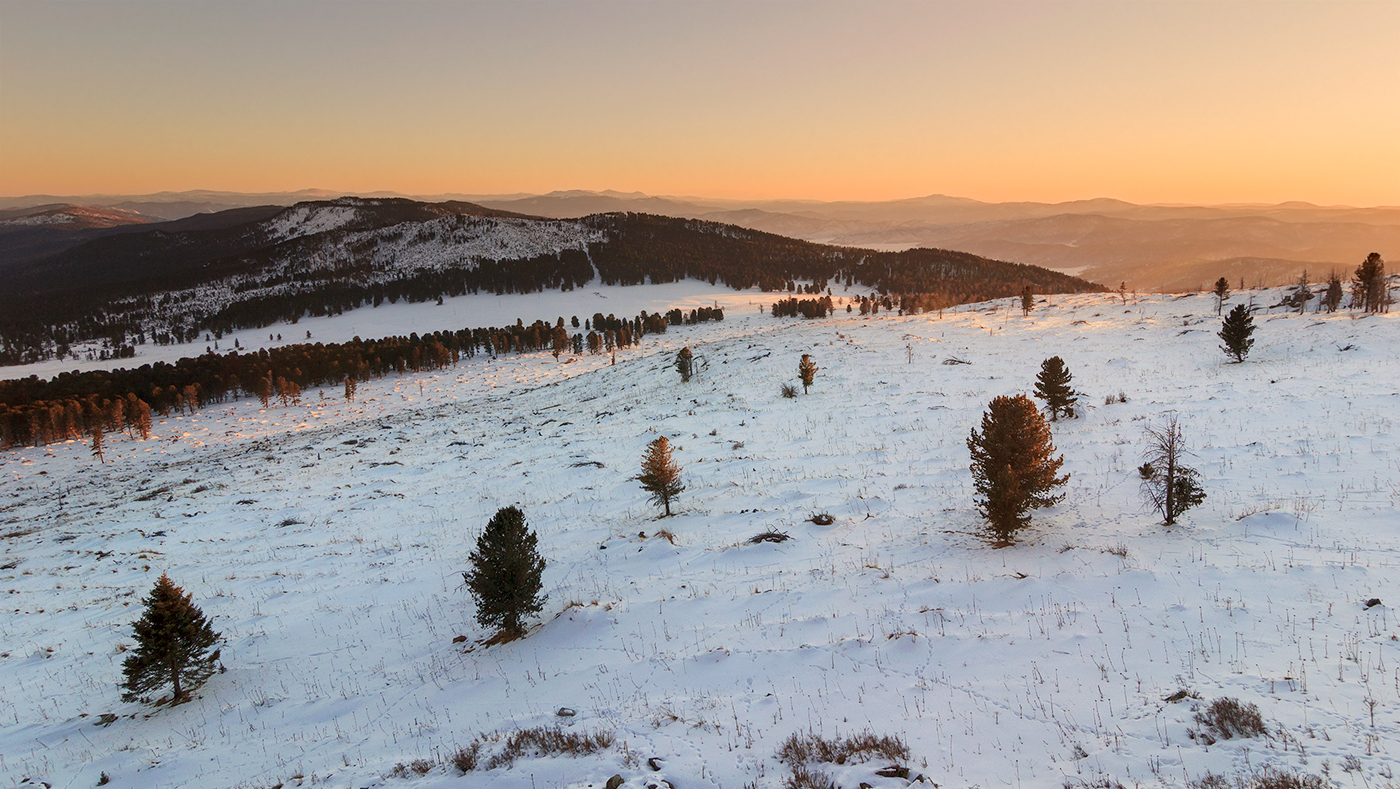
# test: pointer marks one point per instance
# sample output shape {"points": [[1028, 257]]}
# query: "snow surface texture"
{"points": [[326, 542]]}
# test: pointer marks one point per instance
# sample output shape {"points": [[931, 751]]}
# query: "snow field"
{"points": [[326, 542]]}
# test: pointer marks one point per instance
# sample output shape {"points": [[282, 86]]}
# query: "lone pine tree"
{"points": [[1027, 301], [660, 476], [1052, 385], [504, 578], [806, 371], [1222, 292], [1235, 331], [1169, 486], [1012, 468], [173, 645]]}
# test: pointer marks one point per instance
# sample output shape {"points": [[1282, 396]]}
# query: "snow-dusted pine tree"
{"points": [[1012, 468], [505, 573], [1235, 331], [174, 644], [1052, 385]]}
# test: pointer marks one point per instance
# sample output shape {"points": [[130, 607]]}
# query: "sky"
{"points": [[1153, 102]]}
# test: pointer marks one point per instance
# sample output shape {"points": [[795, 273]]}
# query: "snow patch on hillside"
{"points": [[308, 220]]}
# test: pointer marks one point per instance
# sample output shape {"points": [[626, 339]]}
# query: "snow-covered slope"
{"points": [[326, 542]]}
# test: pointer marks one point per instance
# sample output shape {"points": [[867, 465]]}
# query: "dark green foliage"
{"points": [[685, 364], [1027, 300], [1333, 298], [660, 476], [1222, 292], [1052, 385], [1171, 487], [1012, 468], [806, 371], [1235, 333], [1368, 290], [505, 573], [174, 644]]}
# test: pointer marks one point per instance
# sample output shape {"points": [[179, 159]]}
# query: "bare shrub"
{"points": [[769, 536], [1268, 777], [467, 758], [787, 390], [805, 778], [548, 741], [805, 748], [822, 519], [1227, 718]]}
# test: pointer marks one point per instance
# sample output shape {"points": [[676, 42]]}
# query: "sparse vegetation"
{"points": [[1227, 718]]}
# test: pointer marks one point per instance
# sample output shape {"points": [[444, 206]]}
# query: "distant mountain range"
{"points": [[1168, 247]]}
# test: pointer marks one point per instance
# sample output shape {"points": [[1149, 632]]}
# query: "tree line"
{"points": [[35, 412]]}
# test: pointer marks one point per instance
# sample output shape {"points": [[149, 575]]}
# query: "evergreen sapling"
{"points": [[1052, 385], [1235, 333], [173, 645], [504, 578]]}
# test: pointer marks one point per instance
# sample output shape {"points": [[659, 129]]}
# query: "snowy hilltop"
{"points": [[825, 579]]}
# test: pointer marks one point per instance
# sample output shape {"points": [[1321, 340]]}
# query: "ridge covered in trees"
{"points": [[320, 258]]}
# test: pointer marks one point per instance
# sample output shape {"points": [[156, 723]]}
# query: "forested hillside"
{"points": [[173, 284]]}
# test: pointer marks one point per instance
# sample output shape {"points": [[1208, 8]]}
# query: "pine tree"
{"points": [[1235, 333], [505, 574], [97, 443], [685, 364], [660, 476], [1012, 468], [1222, 292], [1333, 299], [1302, 292], [1027, 301], [1368, 290], [173, 643], [1052, 385], [806, 372], [1171, 488]]}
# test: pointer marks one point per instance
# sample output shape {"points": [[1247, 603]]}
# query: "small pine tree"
{"points": [[505, 574], [1012, 468], [1027, 301], [1235, 331], [1302, 292], [350, 388], [97, 443], [1171, 487], [1333, 299], [685, 364], [1052, 385], [1222, 292], [806, 372], [660, 476], [173, 645]]}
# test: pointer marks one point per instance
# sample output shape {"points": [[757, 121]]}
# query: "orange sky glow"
{"points": [[1048, 101]]}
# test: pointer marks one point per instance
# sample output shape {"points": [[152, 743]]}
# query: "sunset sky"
{"points": [[1199, 102]]}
